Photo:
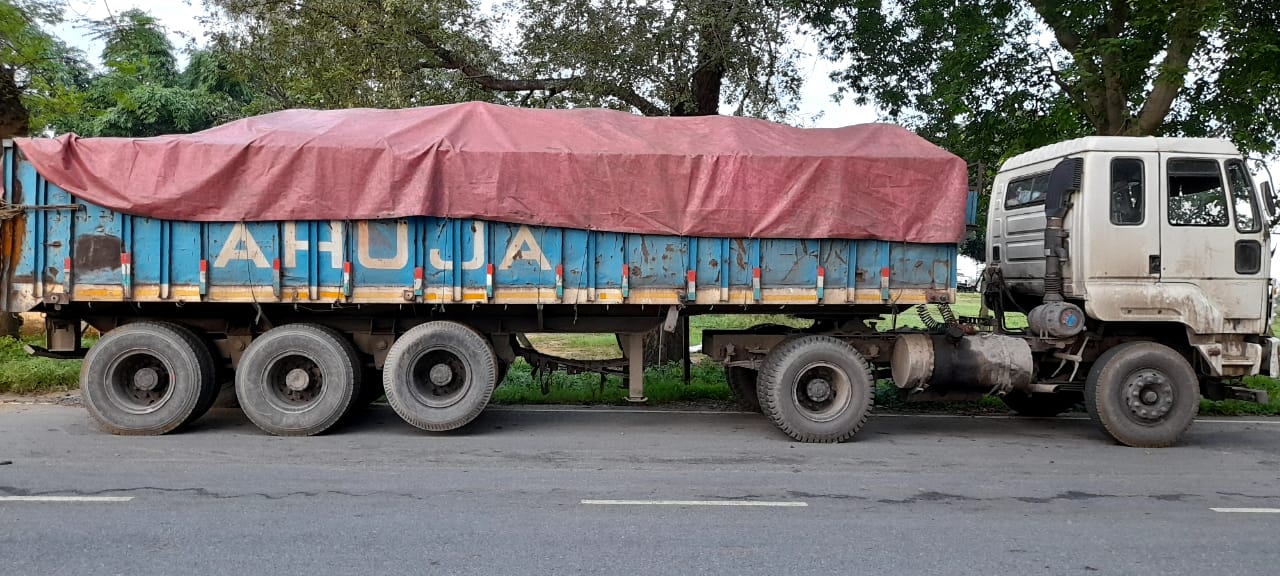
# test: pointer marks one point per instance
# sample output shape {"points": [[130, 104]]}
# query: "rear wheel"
{"points": [[816, 389], [440, 375], [1040, 405], [147, 378], [742, 383], [1142, 394], [298, 379]]}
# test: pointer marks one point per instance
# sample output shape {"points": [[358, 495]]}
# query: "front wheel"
{"points": [[1142, 394], [816, 389]]}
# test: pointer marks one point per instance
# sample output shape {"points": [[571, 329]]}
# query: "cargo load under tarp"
{"points": [[586, 168]]}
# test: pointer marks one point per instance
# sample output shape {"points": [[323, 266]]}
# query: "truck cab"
{"points": [[1163, 230], [1159, 240]]}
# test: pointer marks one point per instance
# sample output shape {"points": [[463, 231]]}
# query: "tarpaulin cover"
{"points": [[586, 168]]}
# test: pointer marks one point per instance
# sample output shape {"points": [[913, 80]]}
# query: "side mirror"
{"points": [[1271, 203]]}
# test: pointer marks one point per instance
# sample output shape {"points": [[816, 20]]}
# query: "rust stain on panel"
{"points": [[97, 252]]}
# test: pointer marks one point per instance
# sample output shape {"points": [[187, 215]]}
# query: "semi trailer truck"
{"points": [[324, 259]]}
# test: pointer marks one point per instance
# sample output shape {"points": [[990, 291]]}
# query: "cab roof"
{"points": [[1121, 144]]}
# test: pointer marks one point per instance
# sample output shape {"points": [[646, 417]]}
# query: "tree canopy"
{"points": [[29, 57], [677, 57], [988, 78]]}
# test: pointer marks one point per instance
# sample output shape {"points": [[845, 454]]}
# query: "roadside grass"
{"points": [[23, 374], [662, 386]]}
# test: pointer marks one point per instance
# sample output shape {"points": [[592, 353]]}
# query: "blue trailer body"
{"points": [[59, 249]]}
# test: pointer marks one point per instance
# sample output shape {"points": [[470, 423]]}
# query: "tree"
{"points": [[141, 92], [24, 54], [681, 57], [991, 78]]}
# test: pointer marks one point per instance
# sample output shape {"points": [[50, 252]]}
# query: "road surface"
{"points": [[526, 491]]}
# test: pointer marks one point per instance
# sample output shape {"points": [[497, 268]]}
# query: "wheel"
{"points": [[298, 379], [816, 389], [439, 376], [1040, 405], [1142, 394], [147, 378], [742, 383]]}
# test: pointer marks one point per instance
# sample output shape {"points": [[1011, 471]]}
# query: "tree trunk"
{"points": [[13, 114], [10, 325]]}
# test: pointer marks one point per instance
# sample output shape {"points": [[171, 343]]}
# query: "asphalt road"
{"points": [[912, 495]]}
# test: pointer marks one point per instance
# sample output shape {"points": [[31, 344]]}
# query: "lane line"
{"points": [[764, 503], [1247, 510], [65, 498]]}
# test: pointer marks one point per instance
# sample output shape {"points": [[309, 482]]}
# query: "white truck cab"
{"points": [[1162, 241]]}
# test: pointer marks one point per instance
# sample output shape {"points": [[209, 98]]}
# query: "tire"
{"points": [[816, 389], [742, 383], [147, 378], [439, 376], [1142, 394], [298, 379], [1040, 405]]}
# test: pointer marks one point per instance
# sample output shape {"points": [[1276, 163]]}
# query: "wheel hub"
{"points": [[297, 380], [1149, 395], [146, 379], [818, 390], [441, 374], [821, 391]]}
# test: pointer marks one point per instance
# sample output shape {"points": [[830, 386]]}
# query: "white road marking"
{"points": [[65, 498], [1248, 510], [766, 503]]}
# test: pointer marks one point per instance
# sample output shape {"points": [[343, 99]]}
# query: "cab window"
{"points": [[1243, 200], [1196, 195], [1026, 191], [1127, 189]]}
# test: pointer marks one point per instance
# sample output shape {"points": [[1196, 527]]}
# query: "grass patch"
{"points": [[662, 385], [23, 374]]}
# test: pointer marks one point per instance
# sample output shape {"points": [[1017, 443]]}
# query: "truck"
{"points": [[292, 256]]}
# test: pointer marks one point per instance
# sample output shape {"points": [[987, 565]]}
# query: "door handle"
{"points": [[1153, 264]]}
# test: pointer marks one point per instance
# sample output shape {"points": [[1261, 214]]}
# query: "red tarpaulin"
{"points": [[586, 168]]}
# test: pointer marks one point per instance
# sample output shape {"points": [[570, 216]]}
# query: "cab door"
{"points": [[1124, 226], [1211, 234]]}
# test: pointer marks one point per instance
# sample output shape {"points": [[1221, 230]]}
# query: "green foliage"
{"points": [[136, 46], [662, 386], [27, 59], [140, 92], [991, 78], [657, 58], [23, 374]]}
